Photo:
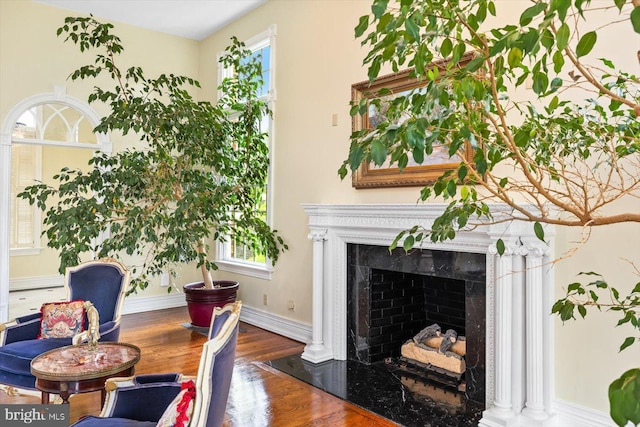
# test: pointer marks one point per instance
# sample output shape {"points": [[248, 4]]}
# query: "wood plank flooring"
{"points": [[260, 395]]}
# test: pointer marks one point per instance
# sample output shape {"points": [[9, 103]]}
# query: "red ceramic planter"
{"points": [[201, 301]]}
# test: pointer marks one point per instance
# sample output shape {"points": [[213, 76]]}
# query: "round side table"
{"points": [[76, 369]]}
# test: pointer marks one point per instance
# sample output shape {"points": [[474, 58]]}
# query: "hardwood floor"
{"points": [[260, 395]]}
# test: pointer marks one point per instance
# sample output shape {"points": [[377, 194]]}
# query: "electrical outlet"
{"points": [[264, 299], [165, 279], [291, 306]]}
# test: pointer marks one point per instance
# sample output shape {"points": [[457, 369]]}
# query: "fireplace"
{"points": [[392, 296], [509, 324]]}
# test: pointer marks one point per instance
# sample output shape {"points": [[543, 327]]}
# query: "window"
{"points": [[48, 127], [25, 219], [231, 255]]}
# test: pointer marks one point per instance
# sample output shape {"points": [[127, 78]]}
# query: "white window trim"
{"points": [[246, 268], [224, 262]]}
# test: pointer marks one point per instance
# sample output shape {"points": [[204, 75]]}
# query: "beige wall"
{"points": [[317, 60]]}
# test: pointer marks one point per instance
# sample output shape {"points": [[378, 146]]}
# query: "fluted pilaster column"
{"points": [[503, 328], [317, 351], [535, 252]]}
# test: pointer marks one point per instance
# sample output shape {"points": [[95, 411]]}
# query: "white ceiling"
{"points": [[193, 19]]}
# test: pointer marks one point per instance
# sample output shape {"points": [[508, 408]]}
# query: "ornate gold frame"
{"points": [[371, 176]]}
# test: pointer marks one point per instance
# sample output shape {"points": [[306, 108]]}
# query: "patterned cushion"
{"points": [[61, 319], [178, 413]]}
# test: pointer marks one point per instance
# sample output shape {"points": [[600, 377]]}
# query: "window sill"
{"points": [[260, 271], [24, 251]]}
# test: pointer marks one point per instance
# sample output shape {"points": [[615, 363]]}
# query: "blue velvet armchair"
{"points": [[103, 282], [122, 406]]}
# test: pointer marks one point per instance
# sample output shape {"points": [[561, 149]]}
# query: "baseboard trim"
{"points": [[151, 303], [33, 283], [271, 322], [277, 324], [573, 415]]}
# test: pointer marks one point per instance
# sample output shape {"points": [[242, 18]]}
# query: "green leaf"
{"points": [[586, 43], [562, 36], [462, 174], [374, 69], [500, 247], [362, 26], [582, 311], [530, 13], [635, 19], [464, 192], [540, 83], [574, 287], [356, 156], [546, 39], [623, 398], [566, 313], [627, 342], [418, 155], [378, 152], [558, 61], [515, 57], [446, 47], [379, 7], [412, 29], [452, 188], [561, 6], [408, 243]]}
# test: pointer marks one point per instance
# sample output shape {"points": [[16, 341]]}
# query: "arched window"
{"points": [[57, 131], [39, 136]]}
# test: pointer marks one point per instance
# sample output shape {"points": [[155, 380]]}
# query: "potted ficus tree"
{"points": [[198, 176], [570, 149]]}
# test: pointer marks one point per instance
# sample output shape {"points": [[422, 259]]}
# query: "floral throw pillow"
{"points": [[179, 412], [61, 319]]}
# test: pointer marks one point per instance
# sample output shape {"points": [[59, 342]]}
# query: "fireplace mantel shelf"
{"points": [[518, 291]]}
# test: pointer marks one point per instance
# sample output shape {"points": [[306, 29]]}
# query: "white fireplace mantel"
{"points": [[519, 353]]}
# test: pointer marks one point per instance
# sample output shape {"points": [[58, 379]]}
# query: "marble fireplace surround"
{"points": [[519, 331]]}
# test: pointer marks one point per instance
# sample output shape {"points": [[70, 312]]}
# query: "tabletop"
{"points": [[79, 363]]}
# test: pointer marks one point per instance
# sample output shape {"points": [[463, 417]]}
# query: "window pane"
{"points": [[55, 122], [23, 173]]}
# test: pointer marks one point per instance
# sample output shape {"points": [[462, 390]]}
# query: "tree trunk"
{"points": [[206, 275]]}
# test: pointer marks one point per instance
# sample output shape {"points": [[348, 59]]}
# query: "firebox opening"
{"points": [[402, 304], [394, 296]]}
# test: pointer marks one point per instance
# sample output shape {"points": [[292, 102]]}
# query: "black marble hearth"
{"points": [[385, 390]]}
